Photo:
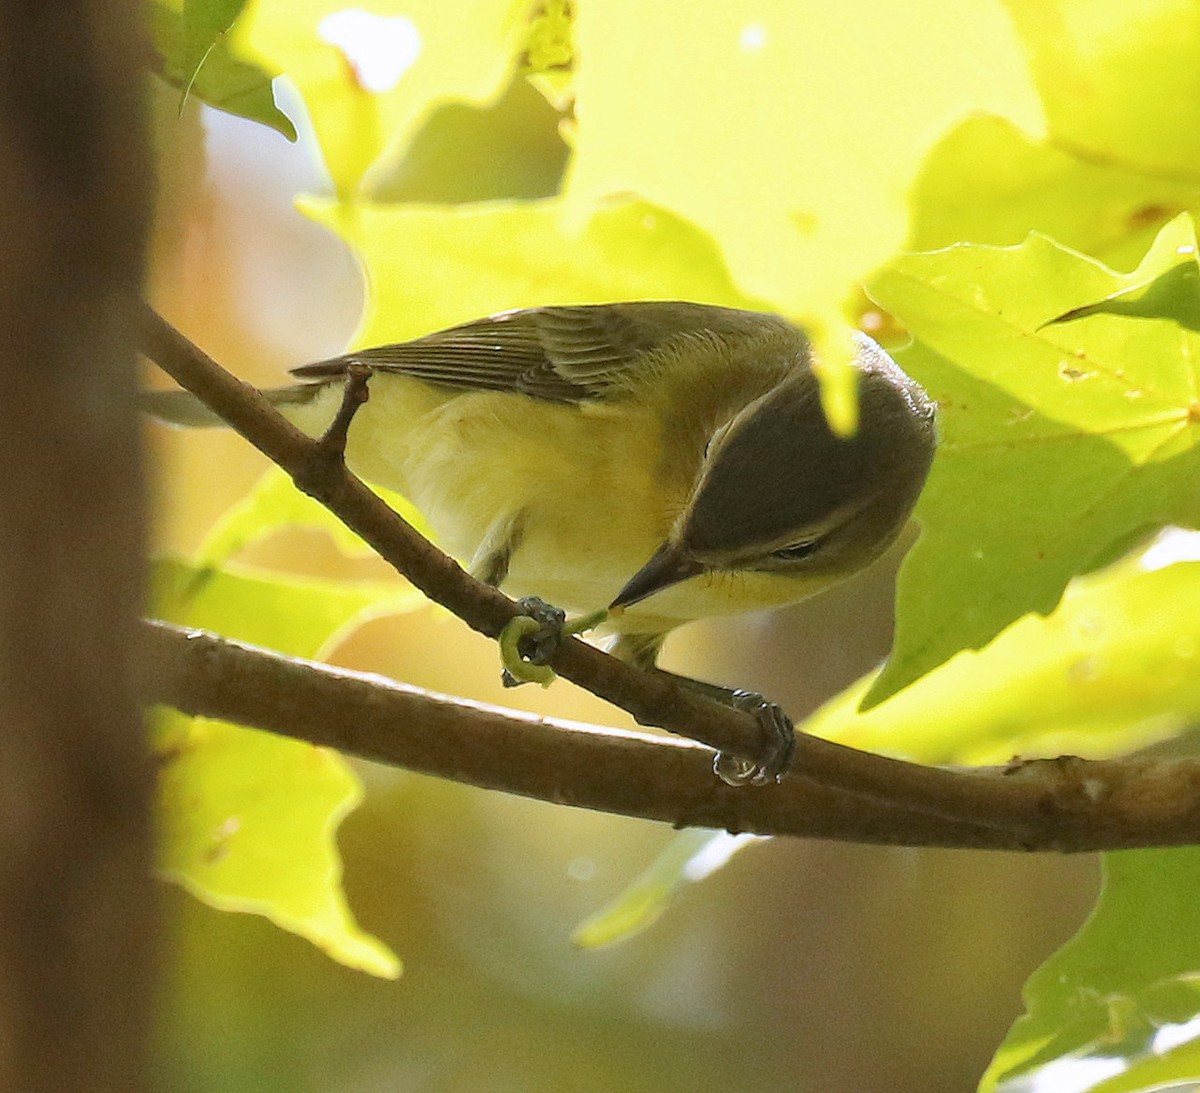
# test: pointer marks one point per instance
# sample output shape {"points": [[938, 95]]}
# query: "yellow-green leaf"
{"points": [[371, 73], [1119, 80], [248, 819], [1114, 668], [790, 132], [248, 823], [987, 182], [689, 857], [431, 267], [1119, 991], [1060, 442], [274, 503], [298, 616]]}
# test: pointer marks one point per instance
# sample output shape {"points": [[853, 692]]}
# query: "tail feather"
{"points": [[183, 408]]}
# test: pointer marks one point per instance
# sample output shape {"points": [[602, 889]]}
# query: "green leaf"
{"points": [[1114, 668], [274, 503], [549, 60], [297, 616], [510, 149], [370, 75], [508, 254], [1060, 444], [1161, 1071], [689, 857], [204, 23], [987, 182], [1119, 80], [248, 819], [1173, 295], [248, 823], [193, 55], [768, 128], [1130, 971]]}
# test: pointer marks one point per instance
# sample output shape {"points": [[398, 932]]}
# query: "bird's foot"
{"points": [[736, 770]]}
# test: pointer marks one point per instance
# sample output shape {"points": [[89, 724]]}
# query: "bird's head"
{"points": [[778, 491]]}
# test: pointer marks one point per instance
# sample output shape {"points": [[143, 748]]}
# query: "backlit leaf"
{"points": [[1060, 442]]}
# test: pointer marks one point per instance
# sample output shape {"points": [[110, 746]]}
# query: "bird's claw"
{"points": [[736, 770], [529, 641]]}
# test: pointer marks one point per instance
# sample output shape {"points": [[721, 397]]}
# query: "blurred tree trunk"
{"points": [[77, 904]]}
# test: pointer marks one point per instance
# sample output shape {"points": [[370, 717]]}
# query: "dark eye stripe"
{"points": [[797, 551]]}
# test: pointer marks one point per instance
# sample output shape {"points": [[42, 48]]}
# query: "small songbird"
{"points": [[667, 459]]}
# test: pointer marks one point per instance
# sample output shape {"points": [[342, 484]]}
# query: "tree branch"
{"points": [[1069, 804], [1037, 806]]}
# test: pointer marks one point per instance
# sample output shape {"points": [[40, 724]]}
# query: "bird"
{"points": [[664, 459]]}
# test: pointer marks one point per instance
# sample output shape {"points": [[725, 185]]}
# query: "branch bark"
{"points": [[1070, 804], [77, 898], [633, 774]]}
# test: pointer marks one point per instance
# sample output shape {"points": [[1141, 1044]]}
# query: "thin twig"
{"points": [[354, 395]]}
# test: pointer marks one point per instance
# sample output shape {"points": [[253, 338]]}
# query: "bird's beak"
{"points": [[669, 566]]}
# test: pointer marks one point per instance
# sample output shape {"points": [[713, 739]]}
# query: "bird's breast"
{"points": [[578, 488], [583, 494]]}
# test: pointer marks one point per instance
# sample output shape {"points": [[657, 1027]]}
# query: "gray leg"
{"points": [[733, 769], [638, 650], [494, 555]]}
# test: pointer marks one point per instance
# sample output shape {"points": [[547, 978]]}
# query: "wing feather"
{"points": [[563, 354]]}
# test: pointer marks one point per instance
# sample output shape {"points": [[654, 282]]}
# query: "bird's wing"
{"points": [[564, 354]]}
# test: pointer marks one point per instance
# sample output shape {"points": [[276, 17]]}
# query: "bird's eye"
{"points": [[794, 552]]}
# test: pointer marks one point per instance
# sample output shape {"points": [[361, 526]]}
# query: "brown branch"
{"points": [[1069, 804], [968, 797], [628, 773]]}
